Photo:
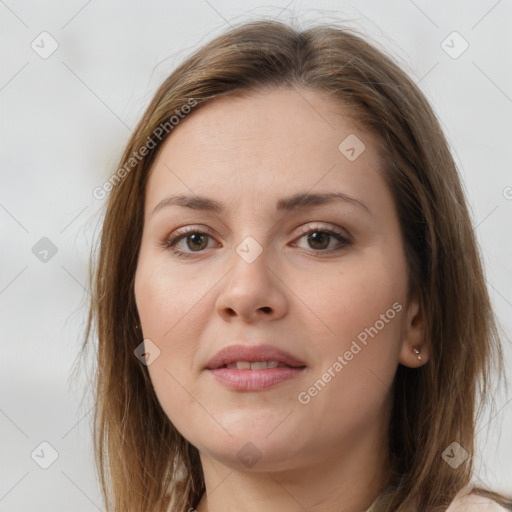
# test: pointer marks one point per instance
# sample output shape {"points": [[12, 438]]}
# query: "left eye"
{"points": [[319, 239]]}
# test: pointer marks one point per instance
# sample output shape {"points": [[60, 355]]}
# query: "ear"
{"points": [[415, 349]]}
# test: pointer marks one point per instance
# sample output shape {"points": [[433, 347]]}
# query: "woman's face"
{"points": [[324, 281]]}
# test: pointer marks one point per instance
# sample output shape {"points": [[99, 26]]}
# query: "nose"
{"points": [[252, 292]]}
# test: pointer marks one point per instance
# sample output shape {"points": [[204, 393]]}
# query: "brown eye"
{"points": [[196, 241], [321, 240]]}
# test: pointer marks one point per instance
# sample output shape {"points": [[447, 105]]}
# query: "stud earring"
{"points": [[417, 352]]}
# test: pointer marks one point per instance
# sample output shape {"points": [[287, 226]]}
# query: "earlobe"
{"points": [[415, 349]]}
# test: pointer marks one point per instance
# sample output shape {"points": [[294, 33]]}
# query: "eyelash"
{"points": [[170, 242]]}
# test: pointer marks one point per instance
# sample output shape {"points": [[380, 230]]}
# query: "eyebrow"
{"points": [[297, 201]]}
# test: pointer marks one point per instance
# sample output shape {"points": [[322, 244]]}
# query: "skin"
{"points": [[247, 153]]}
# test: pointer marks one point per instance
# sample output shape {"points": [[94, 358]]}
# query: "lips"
{"points": [[252, 354], [244, 368]]}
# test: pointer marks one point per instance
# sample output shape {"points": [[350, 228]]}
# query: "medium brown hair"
{"points": [[144, 463]]}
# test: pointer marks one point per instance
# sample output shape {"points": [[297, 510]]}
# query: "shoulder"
{"points": [[464, 502]]}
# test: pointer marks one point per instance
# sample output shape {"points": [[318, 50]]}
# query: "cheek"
{"points": [[363, 312], [360, 298], [167, 298], [173, 309], [358, 355]]}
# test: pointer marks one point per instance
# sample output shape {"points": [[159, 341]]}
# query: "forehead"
{"points": [[263, 146]]}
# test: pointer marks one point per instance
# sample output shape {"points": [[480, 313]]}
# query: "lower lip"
{"points": [[254, 380]]}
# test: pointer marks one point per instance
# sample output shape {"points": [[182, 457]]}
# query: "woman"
{"points": [[289, 298]]}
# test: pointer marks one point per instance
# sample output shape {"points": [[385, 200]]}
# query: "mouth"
{"points": [[253, 357], [253, 368], [256, 365]]}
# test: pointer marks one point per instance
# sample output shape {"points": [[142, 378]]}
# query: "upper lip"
{"points": [[251, 353]]}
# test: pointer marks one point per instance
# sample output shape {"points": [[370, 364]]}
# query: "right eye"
{"points": [[195, 241]]}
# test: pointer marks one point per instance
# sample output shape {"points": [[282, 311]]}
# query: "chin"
{"points": [[253, 450]]}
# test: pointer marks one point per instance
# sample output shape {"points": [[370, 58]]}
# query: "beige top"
{"points": [[465, 502]]}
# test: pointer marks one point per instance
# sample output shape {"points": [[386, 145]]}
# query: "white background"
{"points": [[64, 122]]}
